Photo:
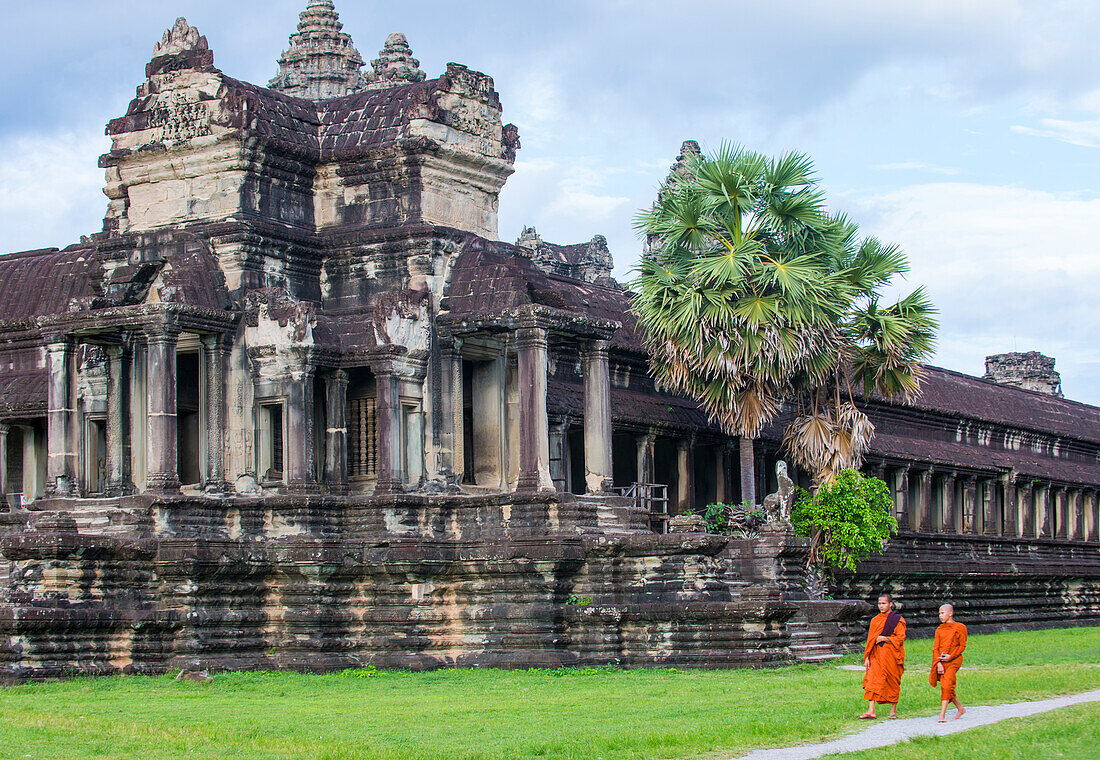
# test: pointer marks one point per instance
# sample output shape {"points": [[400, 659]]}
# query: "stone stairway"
{"points": [[808, 645]]}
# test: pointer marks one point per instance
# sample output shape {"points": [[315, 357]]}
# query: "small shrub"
{"points": [[850, 519]]}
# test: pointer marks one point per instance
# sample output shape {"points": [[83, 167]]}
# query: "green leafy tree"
{"points": [[750, 295], [849, 518]]}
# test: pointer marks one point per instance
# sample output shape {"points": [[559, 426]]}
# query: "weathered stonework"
{"points": [[1031, 371], [295, 406]]}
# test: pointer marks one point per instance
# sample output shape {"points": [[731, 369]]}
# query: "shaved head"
{"points": [[948, 608]]}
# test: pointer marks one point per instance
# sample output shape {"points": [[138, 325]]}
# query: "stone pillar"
{"points": [[721, 475], [1028, 512], [31, 486], [1060, 507], [300, 470], [118, 463], [951, 522], [901, 497], [387, 408], [61, 456], [453, 454], [685, 486], [160, 387], [971, 507], [4, 429], [1009, 509], [534, 432], [558, 464], [1043, 521], [645, 456], [991, 519], [336, 433], [597, 419], [924, 511], [1076, 507], [1092, 517], [214, 355]]}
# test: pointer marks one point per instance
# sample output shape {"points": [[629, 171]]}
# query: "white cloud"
{"points": [[1008, 267], [50, 188], [1084, 133]]}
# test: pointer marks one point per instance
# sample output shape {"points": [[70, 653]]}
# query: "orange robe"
{"points": [[950, 639], [885, 664]]}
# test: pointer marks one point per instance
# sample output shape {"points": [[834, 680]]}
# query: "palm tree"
{"points": [[750, 295]]}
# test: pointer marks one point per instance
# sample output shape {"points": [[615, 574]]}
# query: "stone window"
{"points": [[271, 442], [362, 439]]}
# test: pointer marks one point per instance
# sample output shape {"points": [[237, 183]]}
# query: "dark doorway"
{"points": [[624, 459]]}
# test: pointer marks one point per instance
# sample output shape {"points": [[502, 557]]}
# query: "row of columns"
{"points": [[534, 430], [160, 455], [996, 506]]}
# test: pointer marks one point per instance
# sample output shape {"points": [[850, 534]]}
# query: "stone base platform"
{"points": [[143, 585]]}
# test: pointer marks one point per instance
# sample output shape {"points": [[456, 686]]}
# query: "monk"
{"points": [[947, 658], [884, 659]]}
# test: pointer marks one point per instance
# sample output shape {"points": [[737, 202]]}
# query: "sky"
{"points": [[965, 131]]}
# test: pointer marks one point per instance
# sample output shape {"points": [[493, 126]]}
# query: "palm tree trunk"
{"points": [[748, 471]]}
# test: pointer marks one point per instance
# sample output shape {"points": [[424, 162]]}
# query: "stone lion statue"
{"points": [[778, 504]]}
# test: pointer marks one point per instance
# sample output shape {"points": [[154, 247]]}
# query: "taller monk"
{"points": [[884, 658], [947, 658]]}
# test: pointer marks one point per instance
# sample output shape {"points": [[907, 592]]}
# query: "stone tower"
{"points": [[1031, 371], [321, 61]]}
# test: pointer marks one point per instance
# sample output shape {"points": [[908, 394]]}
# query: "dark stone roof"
{"points": [[194, 278], [630, 407], [489, 277], [313, 130], [34, 283], [23, 393], [960, 395]]}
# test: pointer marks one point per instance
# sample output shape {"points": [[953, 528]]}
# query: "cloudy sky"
{"points": [[967, 131]]}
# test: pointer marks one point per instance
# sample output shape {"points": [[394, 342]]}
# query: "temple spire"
{"points": [[394, 64], [321, 61]]}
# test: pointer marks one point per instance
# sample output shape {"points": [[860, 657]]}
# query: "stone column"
{"points": [[1043, 521], [597, 419], [558, 464], [685, 486], [534, 433], [1009, 523], [487, 408], [924, 511], [214, 355], [645, 456], [1077, 514], [721, 475], [4, 429], [118, 464], [1028, 512], [1092, 517], [299, 466], [901, 497], [336, 433], [61, 456], [971, 507], [452, 445], [387, 408], [160, 387], [950, 508], [31, 486], [1060, 507]]}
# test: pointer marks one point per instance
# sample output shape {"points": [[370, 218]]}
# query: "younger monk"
{"points": [[947, 658], [884, 658]]}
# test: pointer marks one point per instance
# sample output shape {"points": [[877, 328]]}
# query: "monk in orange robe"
{"points": [[947, 658], [884, 658]]}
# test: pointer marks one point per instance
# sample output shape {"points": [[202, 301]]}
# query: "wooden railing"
{"points": [[651, 498]]}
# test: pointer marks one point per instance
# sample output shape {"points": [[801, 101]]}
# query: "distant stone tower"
{"points": [[321, 61], [1031, 371]]}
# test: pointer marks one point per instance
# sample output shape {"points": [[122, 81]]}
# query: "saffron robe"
{"points": [[951, 640], [885, 663]]}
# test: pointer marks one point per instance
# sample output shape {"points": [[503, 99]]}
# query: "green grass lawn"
{"points": [[510, 714], [1072, 733]]}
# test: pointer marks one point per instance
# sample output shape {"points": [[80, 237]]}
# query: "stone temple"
{"points": [[296, 406]]}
